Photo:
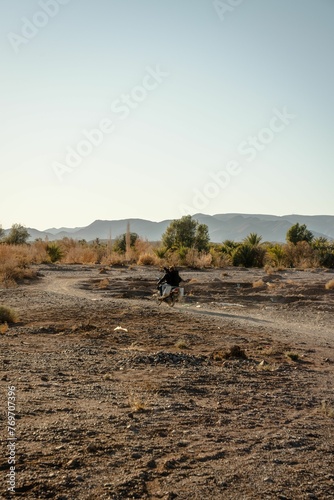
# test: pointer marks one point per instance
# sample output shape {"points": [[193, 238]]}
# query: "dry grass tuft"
{"points": [[114, 259], [14, 262], [80, 255], [3, 328], [267, 367], [292, 355], [137, 404], [327, 409], [148, 259], [7, 315], [235, 352], [330, 285], [104, 284], [270, 351], [258, 284], [198, 260], [182, 344], [218, 356]]}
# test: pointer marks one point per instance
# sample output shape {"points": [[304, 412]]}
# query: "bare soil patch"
{"points": [[228, 395]]}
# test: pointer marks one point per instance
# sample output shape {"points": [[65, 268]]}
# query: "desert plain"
{"points": [[227, 395]]}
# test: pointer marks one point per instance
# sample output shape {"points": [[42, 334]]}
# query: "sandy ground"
{"points": [[120, 398]]}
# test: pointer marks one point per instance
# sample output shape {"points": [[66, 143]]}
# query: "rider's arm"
{"points": [[161, 280]]}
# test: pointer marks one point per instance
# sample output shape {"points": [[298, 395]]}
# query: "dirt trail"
{"points": [[292, 328]]}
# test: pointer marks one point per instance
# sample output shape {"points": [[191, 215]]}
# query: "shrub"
{"points": [[196, 259], [120, 244], [147, 259], [247, 255], [114, 259], [18, 235], [3, 327], [55, 252], [292, 355], [229, 246], [330, 285], [253, 239], [327, 409], [182, 344], [160, 252], [235, 352], [298, 233], [326, 259], [187, 233], [276, 255], [258, 284], [7, 315], [38, 252], [80, 255], [219, 259], [300, 255], [14, 264]]}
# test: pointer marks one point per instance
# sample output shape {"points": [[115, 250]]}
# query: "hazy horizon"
{"points": [[75, 226]]}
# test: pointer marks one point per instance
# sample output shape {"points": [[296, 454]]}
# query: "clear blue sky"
{"points": [[202, 107]]}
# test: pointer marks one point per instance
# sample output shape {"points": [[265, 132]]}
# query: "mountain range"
{"points": [[221, 227]]}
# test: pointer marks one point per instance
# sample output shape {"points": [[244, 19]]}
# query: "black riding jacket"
{"points": [[172, 278]]}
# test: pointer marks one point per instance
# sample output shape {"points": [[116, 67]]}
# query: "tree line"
{"points": [[187, 242]]}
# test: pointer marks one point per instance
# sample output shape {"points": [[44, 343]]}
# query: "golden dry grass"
{"points": [[327, 409], [148, 259], [3, 328], [7, 315], [330, 285], [258, 284], [14, 264]]}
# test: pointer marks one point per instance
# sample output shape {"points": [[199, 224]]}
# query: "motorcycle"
{"points": [[174, 296], [170, 293]]}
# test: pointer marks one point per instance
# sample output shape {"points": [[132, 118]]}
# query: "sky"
{"points": [[155, 109]]}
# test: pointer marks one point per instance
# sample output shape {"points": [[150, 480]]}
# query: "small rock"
{"points": [[92, 448], [170, 464], [74, 463]]}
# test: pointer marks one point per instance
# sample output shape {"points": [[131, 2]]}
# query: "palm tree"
{"points": [[253, 239]]}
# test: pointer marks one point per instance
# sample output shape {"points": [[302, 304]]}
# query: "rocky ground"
{"points": [[228, 395]]}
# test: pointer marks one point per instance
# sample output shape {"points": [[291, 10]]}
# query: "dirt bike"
{"points": [[173, 297]]}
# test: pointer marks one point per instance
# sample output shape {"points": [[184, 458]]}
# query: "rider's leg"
{"points": [[166, 289]]}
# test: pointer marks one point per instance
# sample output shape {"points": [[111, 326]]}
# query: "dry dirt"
{"points": [[165, 407]]}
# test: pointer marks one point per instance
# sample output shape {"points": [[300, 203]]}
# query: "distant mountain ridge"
{"points": [[231, 226]]}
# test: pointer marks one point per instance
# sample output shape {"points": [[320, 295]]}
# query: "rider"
{"points": [[170, 279]]}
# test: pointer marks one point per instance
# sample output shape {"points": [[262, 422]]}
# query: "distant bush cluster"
{"points": [[185, 243]]}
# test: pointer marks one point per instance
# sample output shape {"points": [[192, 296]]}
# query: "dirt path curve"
{"points": [[290, 328], [68, 286]]}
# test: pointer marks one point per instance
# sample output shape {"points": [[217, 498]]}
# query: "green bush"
{"points": [[18, 235], [55, 252], [187, 233], [120, 242], [247, 255], [276, 255], [299, 232]]}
